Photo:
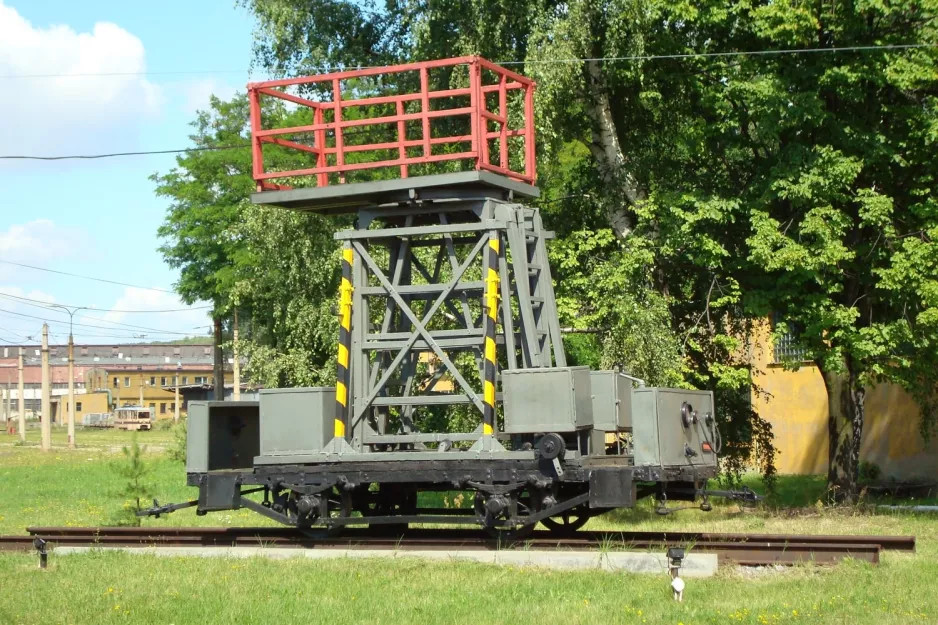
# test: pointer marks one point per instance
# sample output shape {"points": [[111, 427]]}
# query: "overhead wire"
{"points": [[604, 59], [45, 304], [133, 327], [75, 275], [610, 59], [86, 325]]}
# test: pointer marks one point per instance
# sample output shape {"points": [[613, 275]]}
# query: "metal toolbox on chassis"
{"points": [[547, 400], [612, 401], [673, 427], [296, 421], [221, 435]]}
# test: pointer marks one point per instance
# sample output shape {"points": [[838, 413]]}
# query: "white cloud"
{"points": [[157, 326], [60, 114], [40, 238], [34, 294], [196, 93]]}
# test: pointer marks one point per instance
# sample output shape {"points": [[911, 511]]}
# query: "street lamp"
{"points": [[71, 310]]}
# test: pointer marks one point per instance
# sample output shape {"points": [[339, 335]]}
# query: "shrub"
{"points": [[136, 487], [177, 447]]}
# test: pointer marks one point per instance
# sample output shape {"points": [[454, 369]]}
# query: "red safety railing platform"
{"points": [[486, 120]]}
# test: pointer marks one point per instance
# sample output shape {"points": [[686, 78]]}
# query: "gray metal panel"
{"points": [[296, 421], [197, 437], [673, 436], [659, 435], [612, 403], [221, 435], [546, 399], [645, 426], [345, 198]]}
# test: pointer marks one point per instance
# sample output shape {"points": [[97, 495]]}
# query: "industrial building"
{"points": [[109, 376]]}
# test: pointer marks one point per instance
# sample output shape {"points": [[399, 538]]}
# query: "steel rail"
{"points": [[740, 549]]}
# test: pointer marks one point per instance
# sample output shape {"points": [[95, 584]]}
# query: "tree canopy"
{"points": [[704, 164]]}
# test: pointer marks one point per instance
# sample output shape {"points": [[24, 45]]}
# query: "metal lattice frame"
{"points": [[439, 280]]}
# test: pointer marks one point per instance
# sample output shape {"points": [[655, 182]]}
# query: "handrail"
{"points": [[325, 138]]}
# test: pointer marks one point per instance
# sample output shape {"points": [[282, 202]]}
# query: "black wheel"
{"points": [[568, 521]]}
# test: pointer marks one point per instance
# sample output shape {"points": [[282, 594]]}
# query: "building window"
{"points": [[200, 379], [127, 381], [175, 351], [172, 407], [116, 383], [185, 379], [78, 406], [146, 351], [152, 380], [163, 381], [162, 407], [153, 406], [84, 351], [787, 347]]}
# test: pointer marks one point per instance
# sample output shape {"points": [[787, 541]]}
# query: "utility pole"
{"points": [[176, 384], [7, 407], [219, 365], [22, 398], [141, 390], [236, 367], [71, 390], [71, 372], [46, 415]]}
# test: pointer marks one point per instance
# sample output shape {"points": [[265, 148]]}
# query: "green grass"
{"points": [[77, 488], [123, 588], [91, 437]]}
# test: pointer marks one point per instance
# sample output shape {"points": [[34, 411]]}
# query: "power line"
{"points": [[116, 323], [43, 304], [705, 55], [86, 325], [19, 157], [611, 59], [75, 275], [113, 154], [55, 308]]}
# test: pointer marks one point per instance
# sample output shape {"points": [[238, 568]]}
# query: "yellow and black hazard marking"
{"points": [[489, 320], [345, 342]]}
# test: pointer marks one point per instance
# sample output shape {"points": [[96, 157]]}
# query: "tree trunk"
{"points": [[219, 366], [607, 151], [846, 409]]}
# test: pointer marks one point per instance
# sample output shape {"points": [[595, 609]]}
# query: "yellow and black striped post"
{"points": [[345, 343], [490, 317]]}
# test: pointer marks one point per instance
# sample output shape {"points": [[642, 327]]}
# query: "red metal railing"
{"points": [[324, 139]]}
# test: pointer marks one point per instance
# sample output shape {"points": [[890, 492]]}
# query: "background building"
{"points": [[116, 375], [795, 403]]}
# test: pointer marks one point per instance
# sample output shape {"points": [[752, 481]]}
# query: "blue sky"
{"points": [[99, 218]]}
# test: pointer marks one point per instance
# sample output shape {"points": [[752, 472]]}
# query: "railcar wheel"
{"points": [[568, 521]]}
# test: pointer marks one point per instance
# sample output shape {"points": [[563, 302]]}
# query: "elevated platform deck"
{"points": [[349, 198]]}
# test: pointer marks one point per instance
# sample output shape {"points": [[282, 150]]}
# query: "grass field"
{"points": [[77, 487]]}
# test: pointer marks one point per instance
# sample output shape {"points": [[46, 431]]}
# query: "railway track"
{"points": [[740, 549]]}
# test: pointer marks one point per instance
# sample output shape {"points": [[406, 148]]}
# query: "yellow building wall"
{"points": [[130, 384], [795, 403], [85, 403]]}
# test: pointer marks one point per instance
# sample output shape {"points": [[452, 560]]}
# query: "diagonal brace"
{"points": [[419, 326]]}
